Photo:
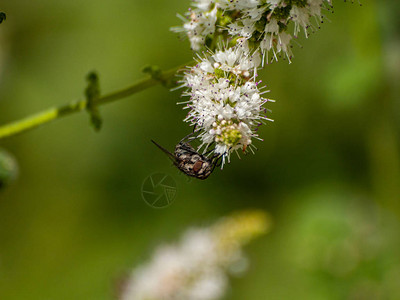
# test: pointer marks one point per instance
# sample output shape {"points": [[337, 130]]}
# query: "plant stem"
{"points": [[49, 115]]}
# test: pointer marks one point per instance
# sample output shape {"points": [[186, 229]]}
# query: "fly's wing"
{"points": [[169, 154]]}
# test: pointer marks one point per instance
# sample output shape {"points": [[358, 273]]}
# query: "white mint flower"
{"points": [[226, 102], [245, 28], [196, 268], [265, 23], [275, 41], [268, 26], [300, 17], [239, 4], [201, 23], [203, 5]]}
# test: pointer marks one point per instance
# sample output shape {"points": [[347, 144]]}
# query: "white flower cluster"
{"points": [[201, 24], [196, 268], [226, 103], [189, 270], [265, 23]]}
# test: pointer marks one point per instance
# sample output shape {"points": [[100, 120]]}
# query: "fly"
{"points": [[189, 161]]}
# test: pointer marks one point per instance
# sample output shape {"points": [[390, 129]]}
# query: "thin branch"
{"points": [[49, 115]]}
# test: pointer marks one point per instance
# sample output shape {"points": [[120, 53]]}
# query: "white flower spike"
{"points": [[226, 102], [197, 267]]}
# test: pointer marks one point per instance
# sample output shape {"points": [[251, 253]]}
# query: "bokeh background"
{"points": [[73, 223]]}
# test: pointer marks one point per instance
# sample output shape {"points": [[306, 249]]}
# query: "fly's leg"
{"points": [[209, 151], [217, 162]]}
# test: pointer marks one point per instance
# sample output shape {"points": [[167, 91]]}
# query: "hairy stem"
{"points": [[51, 114]]}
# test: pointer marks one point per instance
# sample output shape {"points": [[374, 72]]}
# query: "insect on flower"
{"points": [[189, 161]]}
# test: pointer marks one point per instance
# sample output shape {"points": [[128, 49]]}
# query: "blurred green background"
{"points": [[74, 223]]}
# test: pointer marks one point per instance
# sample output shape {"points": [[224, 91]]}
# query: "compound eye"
{"points": [[197, 166]]}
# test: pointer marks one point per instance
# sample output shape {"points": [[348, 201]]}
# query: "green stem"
{"points": [[49, 115]]}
